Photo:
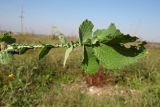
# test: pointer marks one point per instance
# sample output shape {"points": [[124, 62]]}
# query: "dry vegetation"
{"points": [[46, 83]]}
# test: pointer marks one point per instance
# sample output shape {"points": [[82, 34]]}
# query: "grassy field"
{"points": [[45, 83]]}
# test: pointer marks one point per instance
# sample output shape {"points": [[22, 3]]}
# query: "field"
{"points": [[46, 83]]}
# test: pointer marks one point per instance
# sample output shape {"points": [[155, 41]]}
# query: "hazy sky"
{"points": [[136, 17]]}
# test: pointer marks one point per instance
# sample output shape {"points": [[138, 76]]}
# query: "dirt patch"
{"points": [[107, 90]]}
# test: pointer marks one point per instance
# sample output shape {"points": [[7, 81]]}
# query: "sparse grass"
{"points": [[39, 83]]}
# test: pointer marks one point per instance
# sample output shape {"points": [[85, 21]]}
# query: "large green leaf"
{"points": [[45, 51], [105, 35], [90, 63], [100, 35], [67, 53], [117, 57], [5, 57], [113, 31], [85, 32]]}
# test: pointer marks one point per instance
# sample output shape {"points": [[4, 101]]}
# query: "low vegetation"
{"points": [[28, 81]]}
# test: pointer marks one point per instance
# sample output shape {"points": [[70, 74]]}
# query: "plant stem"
{"points": [[16, 47]]}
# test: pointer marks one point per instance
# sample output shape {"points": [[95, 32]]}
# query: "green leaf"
{"points": [[90, 63], [5, 36], [23, 50], [85, 32], [67, 53], [5, 57], [117, 57], [45, 51], [99, 36], [105, 35], [123, 39]]}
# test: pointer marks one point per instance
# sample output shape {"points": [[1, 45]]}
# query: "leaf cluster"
{"points": [[108, 47]]}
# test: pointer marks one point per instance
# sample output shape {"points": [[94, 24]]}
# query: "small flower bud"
{"points": [[10, 77]]}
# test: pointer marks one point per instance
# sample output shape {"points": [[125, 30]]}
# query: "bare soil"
{"points": [[106, 90]]}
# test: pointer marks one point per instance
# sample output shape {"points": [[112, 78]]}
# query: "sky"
{"points": [[136, 17]]}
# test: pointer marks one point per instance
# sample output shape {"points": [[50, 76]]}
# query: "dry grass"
{"points": [[51, 85]]}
